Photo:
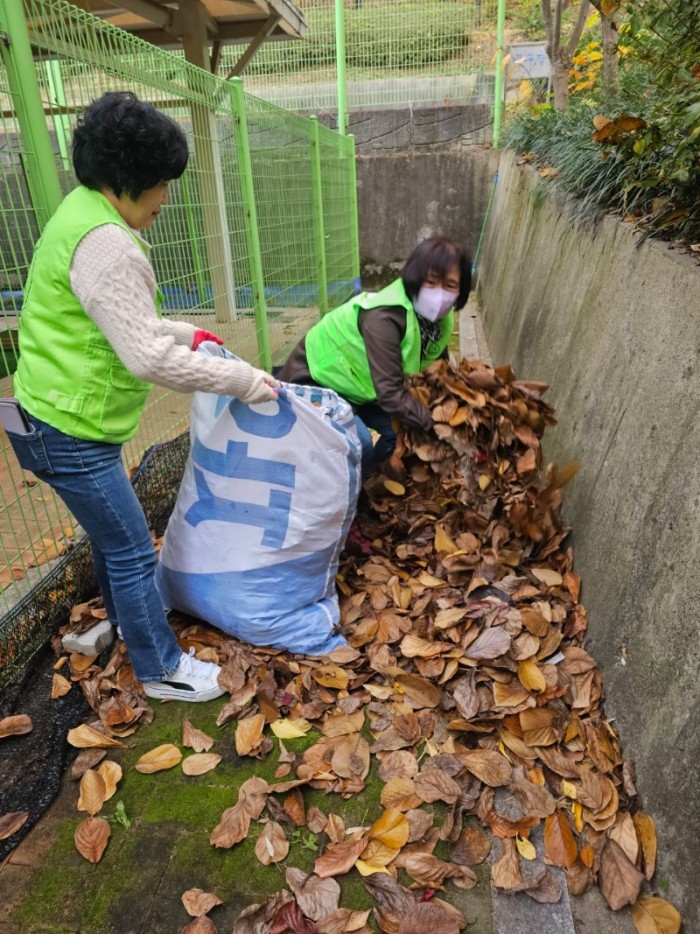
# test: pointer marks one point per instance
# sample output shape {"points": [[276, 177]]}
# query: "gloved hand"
{"points": [[201, 336], [262, 389]]}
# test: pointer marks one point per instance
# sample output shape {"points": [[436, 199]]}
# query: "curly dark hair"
{"points": [[437, 254], [126, 145]]}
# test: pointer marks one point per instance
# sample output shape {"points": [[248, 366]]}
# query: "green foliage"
{"points": [[375, 37], [120, 816], [647, 169]]}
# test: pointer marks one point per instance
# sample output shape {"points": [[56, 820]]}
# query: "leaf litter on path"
{"points": [[465, 663]]}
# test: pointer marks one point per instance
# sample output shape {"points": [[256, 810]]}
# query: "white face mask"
{"points": [[434, 304]]}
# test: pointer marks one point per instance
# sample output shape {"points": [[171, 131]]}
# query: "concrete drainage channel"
{"points": [[517, 913]]}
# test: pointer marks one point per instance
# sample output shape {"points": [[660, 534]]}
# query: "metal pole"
{"points": [[498, 83], [354, 223], [340, 65], [38, 158], [250, 216], [319, 231]]}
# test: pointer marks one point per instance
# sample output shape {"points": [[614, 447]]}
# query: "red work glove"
{"points": [[201, 336]]}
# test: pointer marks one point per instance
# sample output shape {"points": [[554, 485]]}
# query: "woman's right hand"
{"points": [[262, 388]]}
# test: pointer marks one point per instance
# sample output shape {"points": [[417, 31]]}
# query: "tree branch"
{"points": [[578, 28]]}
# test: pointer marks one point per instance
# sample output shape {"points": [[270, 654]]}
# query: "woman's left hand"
{"points": [[201, 336]]}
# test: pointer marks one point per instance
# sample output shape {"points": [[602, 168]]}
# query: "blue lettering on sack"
{"points": [[264, 426], [272, 518], [236, 463]]}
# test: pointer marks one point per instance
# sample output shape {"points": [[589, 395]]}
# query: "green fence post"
{"points": [[354, 222], [340, 65], [319, 232], [250, 216], [498, 82], [39, 164], [61, 121], [194, 239]]}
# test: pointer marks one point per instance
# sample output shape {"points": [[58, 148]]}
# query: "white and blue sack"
{"points": [[266, 501]]}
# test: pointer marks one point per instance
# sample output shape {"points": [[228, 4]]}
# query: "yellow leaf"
{"points": [[368, 869], [525, 848], [158, 759], [530, 675], [290, 729], [577, 810], [484, 479], [569, 789], [443, 542], [59, 686], [391, 829], [398, 489], [653, 915]]}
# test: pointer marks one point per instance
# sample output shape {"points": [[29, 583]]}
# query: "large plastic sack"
{"points": [[266, 501]]}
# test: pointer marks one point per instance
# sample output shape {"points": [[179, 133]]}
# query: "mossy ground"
{"points": [[146, 867]]}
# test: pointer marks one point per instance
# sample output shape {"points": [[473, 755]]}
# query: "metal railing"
{"points": [[260, 232]]}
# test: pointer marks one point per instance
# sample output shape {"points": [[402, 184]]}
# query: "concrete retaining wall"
{"points": [[420, 171], [615, 329]]}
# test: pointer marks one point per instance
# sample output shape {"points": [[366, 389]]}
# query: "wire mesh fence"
{"points": [[397, 52], [236, 250]]}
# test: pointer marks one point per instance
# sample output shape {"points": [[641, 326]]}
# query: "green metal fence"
{"points": [[260, 232], [397, 52]]}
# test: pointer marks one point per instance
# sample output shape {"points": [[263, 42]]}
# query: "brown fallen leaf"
{"points": [[194, 738], [472, 847], [86, 759], [201, 925], [91, 838], [316, 897], [111, 773], [92, 792], [491, 767], [433, 784], [197, 902], [646, 833], [85, 737], [11, 822], [157, 760], [559, 843], [200, 763], [428, 917], [272, 845], [428, 870], [340, 857], [505, 872], [235, 821], [15, 725], [620, 881], [249, 734], [652, 915]]}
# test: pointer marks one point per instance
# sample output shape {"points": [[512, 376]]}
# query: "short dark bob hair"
{"points": [[125, 145], [437, 254]]}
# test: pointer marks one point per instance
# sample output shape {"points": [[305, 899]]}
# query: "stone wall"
{"points": [[614, 327]]}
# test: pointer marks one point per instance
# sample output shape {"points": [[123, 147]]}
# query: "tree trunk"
{"points": [[560, 84], [610, 56]]}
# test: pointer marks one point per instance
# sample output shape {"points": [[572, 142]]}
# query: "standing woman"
{"points": [[92, 341], [365, 348]]}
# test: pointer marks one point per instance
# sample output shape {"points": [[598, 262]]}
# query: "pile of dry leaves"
{"points": [[464, 676]]}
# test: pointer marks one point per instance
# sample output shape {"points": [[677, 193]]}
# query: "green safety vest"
{"points": [[335, 348], [68, 375]]}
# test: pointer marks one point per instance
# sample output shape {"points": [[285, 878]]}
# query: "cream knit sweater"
{"points": [[114, 282]]}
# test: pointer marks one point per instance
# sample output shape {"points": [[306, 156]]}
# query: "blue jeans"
{"points": [[90, 479], [370, 415]]}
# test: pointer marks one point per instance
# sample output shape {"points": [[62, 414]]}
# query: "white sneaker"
{"points": [[192, 680]]}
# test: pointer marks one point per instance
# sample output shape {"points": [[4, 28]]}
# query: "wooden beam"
{"points": [[255, 44], [160, 15]]}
